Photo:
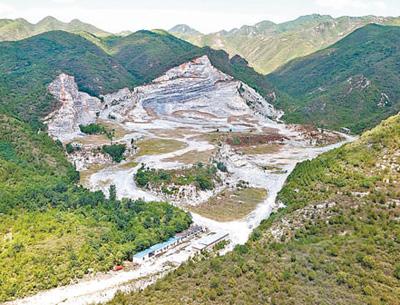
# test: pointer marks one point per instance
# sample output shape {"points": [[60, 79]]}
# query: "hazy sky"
{"points": [[204, 15]]}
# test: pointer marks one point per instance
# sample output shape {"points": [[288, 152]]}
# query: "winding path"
{"points": [[104, 286]]}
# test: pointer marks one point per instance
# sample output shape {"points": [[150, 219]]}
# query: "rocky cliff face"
{"points": [[198, 91], [76, 108], [194, 92]]}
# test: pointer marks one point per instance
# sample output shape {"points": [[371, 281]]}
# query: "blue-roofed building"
{"points": [[160, 248], [155, 250]]}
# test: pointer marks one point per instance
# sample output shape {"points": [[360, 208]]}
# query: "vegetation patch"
{"points": [[92, 129], [231, 204], [159, 146], [202, 177], [336, 246], [53, 231], [116, 151], [193, 157], [128, 165], [242, 139], [260, 149]]}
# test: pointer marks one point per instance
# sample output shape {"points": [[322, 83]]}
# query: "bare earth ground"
{"points": [[262, 160], [230, 205], [158, 146]]}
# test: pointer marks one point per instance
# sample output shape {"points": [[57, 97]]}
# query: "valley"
{"points": [[220, 140], [258, 165]]}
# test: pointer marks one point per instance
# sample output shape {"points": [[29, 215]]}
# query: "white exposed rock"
{"points": [[196, 90], [117, 105], [85, 157], [359, 82], [384, 101], [76, 108]]}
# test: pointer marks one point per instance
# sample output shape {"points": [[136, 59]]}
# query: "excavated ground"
{"points": [[171, 124]]}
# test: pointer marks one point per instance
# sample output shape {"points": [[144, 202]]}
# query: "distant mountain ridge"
{"points": [[17, 29], [353, 83], [184, 29], [267, 45]]}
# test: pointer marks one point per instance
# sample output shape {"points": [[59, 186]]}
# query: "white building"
{"points": [[209, 241]]}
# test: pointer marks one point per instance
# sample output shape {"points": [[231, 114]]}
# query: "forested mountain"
{"points": [[148, 54], [350, 84], [17, 29], [99, 66], [267, 45], [336, 242], [353, 83], [55, 231], [28, 66]]}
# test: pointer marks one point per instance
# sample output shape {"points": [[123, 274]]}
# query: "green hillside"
{"points": [[149, 54], [11, 30], [54, 231], [353, 83], [28, 66], [99, 65], [268, 45], [336, 242]]}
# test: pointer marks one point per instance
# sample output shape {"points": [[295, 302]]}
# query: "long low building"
{"points": [[161, 248], [155, 250], [209, 241]]}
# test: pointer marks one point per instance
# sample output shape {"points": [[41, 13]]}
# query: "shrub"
{"points": [[397, 271], [116, 151], [92, 129], [69, 148], [222, 167]]}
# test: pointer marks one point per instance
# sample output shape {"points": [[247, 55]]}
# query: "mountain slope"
{"points": [[336, 242], [54, 231], [28, 66], [18, 29], [184, 31], [100, 66], [149, 54], [351, 84], [267, 45]]}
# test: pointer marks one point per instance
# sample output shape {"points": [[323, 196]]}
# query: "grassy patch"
{"points": [[86, 174], [128, 165], [193, 157], [241, 139], [231, 204], [158, 146], [203, 177], [117, 130], [260, 149]]}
